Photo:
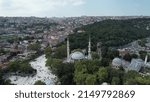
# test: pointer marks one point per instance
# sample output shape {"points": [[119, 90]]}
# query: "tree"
{"points": [[95, 55], [134, 56], [102, 75], [49, 62], [90, 79], [112, 53], [85, 72], [21, 66], [48, 52], [1, 77], [115, 81], [80, 73], [60, 52], [67, 74], [105, 62], [34, 47], [26, 68], [127, 57], [56, 66], [80, 78], [104, 52], [143, 54], [142, 42], [39, 82], [14, 66], [64, 71], [129, 78]]}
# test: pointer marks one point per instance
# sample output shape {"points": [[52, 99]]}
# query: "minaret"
{"points": [[68, 50], [146, 57], [89, 49]]}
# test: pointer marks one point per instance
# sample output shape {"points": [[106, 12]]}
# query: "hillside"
{"points": [[111, 33]]}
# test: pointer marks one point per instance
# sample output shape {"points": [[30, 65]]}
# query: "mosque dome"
{"points": [[117, 62], [77, 56]]}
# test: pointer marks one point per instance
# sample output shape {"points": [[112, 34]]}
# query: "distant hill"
{"points": [[111, 33]]}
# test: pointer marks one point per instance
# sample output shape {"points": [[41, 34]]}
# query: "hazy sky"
{"points": [[60, 8]]}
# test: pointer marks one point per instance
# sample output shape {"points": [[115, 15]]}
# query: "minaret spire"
{"points": [[146, 57], [68, 50], [89, 49]]}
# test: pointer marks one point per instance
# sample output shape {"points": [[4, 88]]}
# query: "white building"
{"points": [[136, 64]]}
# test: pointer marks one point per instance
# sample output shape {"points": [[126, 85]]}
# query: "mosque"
{"points": [[136, 64], [78, 55]]}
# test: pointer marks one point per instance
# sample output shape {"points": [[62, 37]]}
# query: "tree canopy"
{"points": [[21, 66], [111, 33]]}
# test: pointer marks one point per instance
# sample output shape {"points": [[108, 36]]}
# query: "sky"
{"points": [[70, 8]]}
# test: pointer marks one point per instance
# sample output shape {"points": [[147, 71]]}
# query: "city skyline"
{"points": [[71, 8]]}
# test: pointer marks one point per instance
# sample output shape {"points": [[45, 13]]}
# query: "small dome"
{"points": [[116, 62], [104, 83], [77, 55]]}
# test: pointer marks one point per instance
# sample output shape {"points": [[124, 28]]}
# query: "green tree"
{"points": [[134, 56], [90, 79], [26, 68], [64, 71], [142, 42], [85, 71], [34, 47], [102, 75], [80, 78], [95, 55], [129, 78], [105, 62], [48, 52], [80, 73], [60, 52], [14, 66], [112, 53], [1, 77], [56, 66], [143, 55], [21, 66], [67, 75], [49, 62], [115, 81], [39, 82]]}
